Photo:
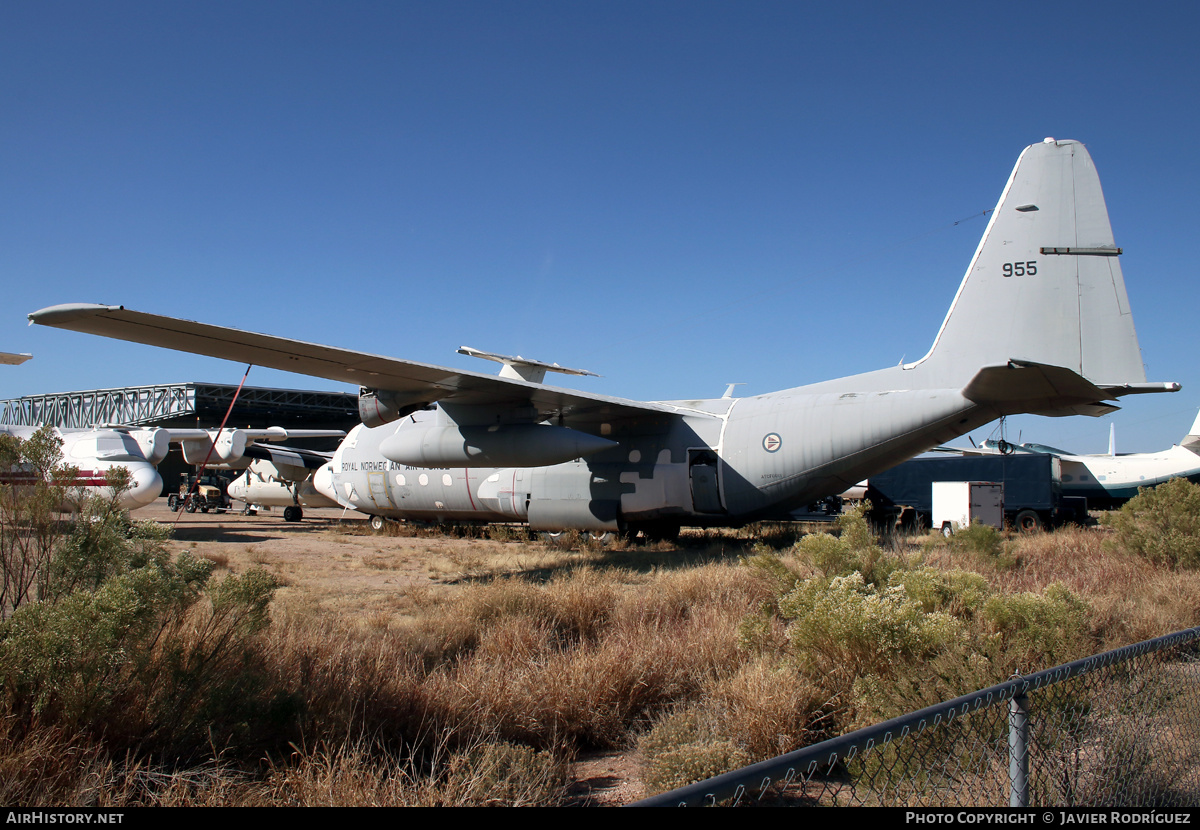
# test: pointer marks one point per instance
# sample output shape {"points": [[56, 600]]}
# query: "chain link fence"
{"points": [[1119, 729]]}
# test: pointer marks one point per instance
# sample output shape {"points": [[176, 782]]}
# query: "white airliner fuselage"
{"points": [[94, 452], [1111, 479]]}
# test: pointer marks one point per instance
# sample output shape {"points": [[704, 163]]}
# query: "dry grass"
{"points": [[1131, 599], [422, 666]]}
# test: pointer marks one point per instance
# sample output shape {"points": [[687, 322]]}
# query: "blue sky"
{"points": [[676, 195]]}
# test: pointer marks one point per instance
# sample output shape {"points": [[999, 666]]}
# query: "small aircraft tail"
{"points": [[1044, 290], [1191, 441]]}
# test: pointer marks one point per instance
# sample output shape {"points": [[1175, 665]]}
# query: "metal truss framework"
{"points": [[146, 405]]}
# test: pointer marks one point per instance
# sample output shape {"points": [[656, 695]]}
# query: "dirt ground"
{"points": [[331, 562]]}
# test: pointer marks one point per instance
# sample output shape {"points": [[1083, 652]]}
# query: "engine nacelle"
{"points": [[229, 448], [499, 445], [377, 407], [154, 443]]}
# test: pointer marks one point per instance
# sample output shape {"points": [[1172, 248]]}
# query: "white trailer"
{"points": [[958, 503]]}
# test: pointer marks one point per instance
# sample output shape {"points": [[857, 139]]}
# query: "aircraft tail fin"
{"points": [[1192, 440], [1045, 284]]}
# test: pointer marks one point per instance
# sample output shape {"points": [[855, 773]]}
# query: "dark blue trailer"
{"points": [[903, 496]]}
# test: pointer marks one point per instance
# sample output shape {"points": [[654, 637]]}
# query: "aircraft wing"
{"points": [[413, 383], [177, 434], [289, 456]]}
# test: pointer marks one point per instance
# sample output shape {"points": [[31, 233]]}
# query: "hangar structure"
{"points": [[185, 404], [189, 404]]}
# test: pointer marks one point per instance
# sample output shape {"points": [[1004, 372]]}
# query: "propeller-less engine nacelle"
{"points": [[502, 445], [154, 443], [377, 407], [229, 448]]}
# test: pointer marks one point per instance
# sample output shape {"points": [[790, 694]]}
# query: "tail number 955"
{"points": [[1020, 269]]}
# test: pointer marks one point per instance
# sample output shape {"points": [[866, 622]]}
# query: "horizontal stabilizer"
{"points": [[1035, 387], [523, 368]]}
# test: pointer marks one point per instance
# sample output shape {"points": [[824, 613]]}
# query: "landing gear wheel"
{"points": [[378, 523], [653, 532], [602, 537], [292, 513], [1028, 521], [661, 532]]}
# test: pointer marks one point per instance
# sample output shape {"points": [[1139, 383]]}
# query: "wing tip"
{"points": [[56, 315]]}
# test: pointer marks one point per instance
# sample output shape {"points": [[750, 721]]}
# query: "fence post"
{"points": [[1018, 751]]}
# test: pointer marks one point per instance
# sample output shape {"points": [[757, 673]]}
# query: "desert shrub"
{"points": [[62, 655], [855, 548], [1038, 630], [1161, 524], [30, 529], [683, 748], [843, 627], [980, 544], [136, 654], [503, 774], [955, 591], [942, 677], [977, 538], [118, 641]]}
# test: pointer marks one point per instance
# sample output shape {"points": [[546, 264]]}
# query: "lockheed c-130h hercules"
{"points": [[1040, 324]]}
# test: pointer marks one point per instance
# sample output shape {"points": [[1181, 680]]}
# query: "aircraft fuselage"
{"points": [[92, 453], [719, 462]]}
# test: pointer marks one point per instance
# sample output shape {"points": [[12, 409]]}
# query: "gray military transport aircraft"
{"points": [[1040, 324]]}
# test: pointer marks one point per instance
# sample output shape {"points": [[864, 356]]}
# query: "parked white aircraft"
{"points": [[1111, 479], [1040, 324], [92, 452], [280, 481]]}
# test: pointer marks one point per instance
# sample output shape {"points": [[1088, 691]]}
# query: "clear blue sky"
{"points": [[676, 195]]}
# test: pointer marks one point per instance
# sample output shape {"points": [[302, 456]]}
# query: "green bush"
{"points": [[853, 549], [30, 526], [1039, 630], [104, 630], [842, 626], [1161, 524], [955, 591]]}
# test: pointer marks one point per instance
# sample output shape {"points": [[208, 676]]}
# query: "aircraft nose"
{"points": [[322, 482], [237, 488], [145, 485]]}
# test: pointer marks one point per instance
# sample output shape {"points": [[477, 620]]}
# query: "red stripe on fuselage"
{"points": [[85, 478]]}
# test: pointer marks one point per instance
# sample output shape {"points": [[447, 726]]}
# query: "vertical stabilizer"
{"points": [[1192, 439], [1045, 284]]}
